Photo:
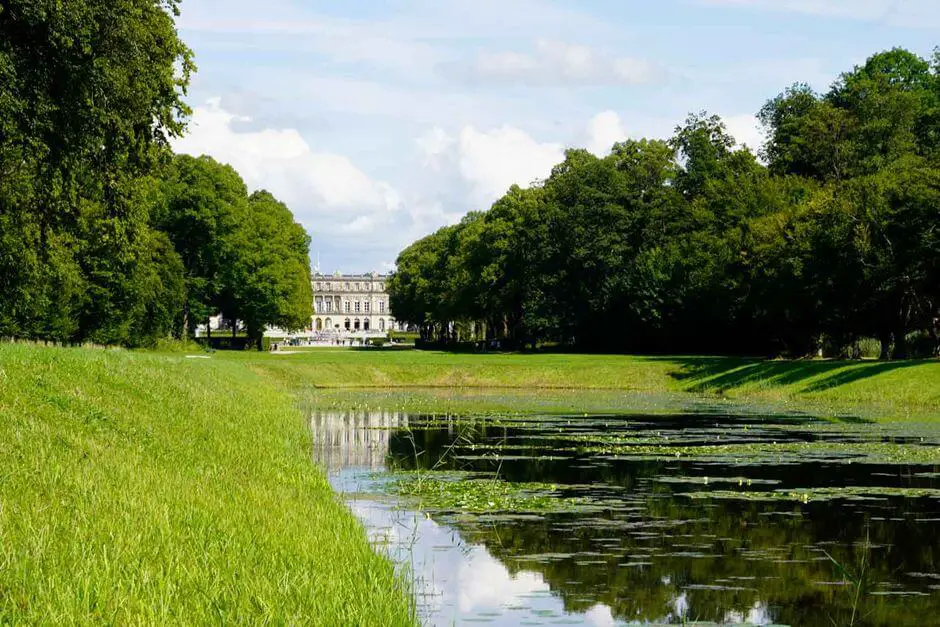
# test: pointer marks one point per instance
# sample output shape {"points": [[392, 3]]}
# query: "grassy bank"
{"points": [[142, 488], [900, 389]]}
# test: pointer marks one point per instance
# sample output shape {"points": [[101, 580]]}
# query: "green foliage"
{"points": [[90, 92], [270, 277], [833, 240], [461, 492], [104, 237], [202, 205], [403, 337]]}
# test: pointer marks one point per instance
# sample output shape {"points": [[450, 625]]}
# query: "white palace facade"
{"points": [[351, 304], [346, 308]]}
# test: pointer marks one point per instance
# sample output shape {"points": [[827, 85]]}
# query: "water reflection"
{"points": [[646, 552], [355, 439]]}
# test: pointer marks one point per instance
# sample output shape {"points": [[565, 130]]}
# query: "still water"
{"points": [[686, 519]]}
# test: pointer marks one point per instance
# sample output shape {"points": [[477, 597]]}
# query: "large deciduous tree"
{"points": [[90, 93], [695, 245], [269, 276], [203, 206]]}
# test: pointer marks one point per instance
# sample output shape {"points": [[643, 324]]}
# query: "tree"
{"points": [[505, 264], [90, 92], [202, 206], [270, 274], [873, 139], [416, 287], [163, 297], [692, 244]]}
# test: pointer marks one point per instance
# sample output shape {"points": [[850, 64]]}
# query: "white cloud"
{"points": [[912, 13], [487, 163], [600, 616], [497, 159], [325, 191], [747, 130], [604, 130], [558, 63], [454, 172]]}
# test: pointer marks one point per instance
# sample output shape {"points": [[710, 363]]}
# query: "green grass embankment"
{"points": [[897, 389], [155, 489]]}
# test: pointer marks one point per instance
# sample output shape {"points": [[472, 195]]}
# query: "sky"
{"points": [[378, 122]]}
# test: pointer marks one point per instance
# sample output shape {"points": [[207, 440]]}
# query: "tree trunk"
{"points": [[255, 335], [885, 338], [900, 332], [900, 343], [935, 335]]}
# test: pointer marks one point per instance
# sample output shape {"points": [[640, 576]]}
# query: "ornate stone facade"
{"points": [[351, 304]]}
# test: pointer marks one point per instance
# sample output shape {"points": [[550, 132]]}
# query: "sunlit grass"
{"points": [[597, 383], [155, 489]]}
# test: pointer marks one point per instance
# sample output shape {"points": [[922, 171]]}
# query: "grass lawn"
{"points": [[155, 489], [886, 390]]}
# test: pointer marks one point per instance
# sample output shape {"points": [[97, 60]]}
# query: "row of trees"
{"points": [[105, 236], [690, 244]]}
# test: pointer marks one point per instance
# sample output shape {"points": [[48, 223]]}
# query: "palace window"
{"points": [[382, 306], [366, 305], [381, 324], [347, 286], [358, 324], [358, 306], [329, 306], [365, 324], [346, 306], [347, 324], [358, 287]]}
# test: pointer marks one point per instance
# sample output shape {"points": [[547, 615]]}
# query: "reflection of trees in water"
{"points": [[770, 553], [776, 559]]}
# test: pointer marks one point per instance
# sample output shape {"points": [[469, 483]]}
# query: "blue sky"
{"points": [[378, 122]]}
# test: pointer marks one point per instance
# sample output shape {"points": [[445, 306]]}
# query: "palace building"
{"points": [[351, 304], [347, 308]]}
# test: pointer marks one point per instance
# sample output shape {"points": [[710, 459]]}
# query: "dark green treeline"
{"points": [[831, 241], [105, 236]]}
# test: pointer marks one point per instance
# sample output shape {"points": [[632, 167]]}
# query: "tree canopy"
{"points": [[104, 235], [694, 244]]}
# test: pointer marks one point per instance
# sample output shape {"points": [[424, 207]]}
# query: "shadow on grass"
{"points": [[722, 374]]}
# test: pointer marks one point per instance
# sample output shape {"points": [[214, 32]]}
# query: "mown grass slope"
{"points": [[898, 389], [141, 488]]}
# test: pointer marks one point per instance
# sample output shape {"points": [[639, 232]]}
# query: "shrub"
{"points": [[228, 343], [921, 345], [869, 348], [403, 337]]}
